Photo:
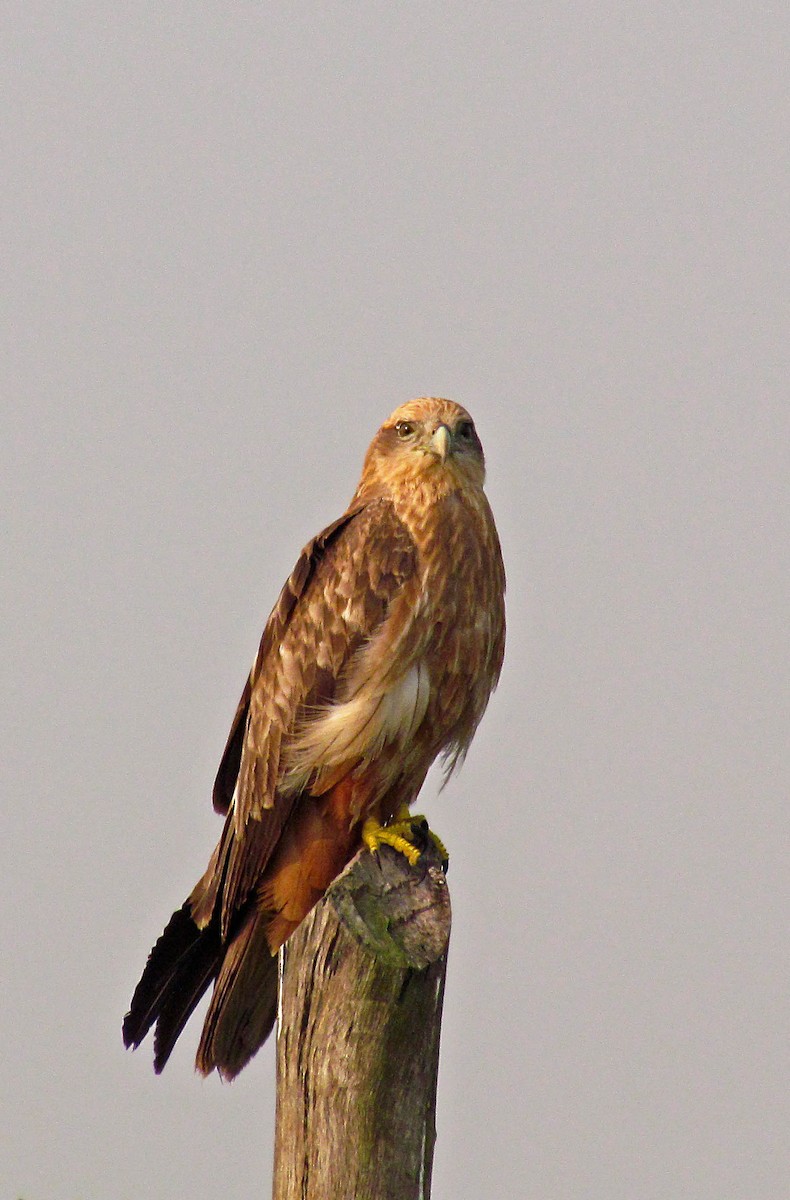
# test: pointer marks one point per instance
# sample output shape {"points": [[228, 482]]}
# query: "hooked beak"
{"points": [[440, 443]]}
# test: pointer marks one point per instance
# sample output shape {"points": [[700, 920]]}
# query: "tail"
{"points": [[313, 849], [243, 1007], [192, 952], [180, 968]]}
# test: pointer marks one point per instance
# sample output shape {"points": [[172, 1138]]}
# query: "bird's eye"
{"points": [[405, 429], [465, 430]]}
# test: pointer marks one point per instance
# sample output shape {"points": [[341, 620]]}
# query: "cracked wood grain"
{"points": [[361, 989]]}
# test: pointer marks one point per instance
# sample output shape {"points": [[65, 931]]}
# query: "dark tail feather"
{"points": [[244, 1004], [179, 969]]}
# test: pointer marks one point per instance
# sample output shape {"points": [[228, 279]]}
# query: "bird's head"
{"points": [[428, 441]]}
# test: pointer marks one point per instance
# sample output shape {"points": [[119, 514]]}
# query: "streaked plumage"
{"points": [[380, 655]]}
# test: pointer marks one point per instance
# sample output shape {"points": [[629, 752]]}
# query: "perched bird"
{"points": [[380, 654]]}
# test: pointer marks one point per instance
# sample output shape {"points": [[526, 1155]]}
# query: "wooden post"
{"points": [[361, 989]]}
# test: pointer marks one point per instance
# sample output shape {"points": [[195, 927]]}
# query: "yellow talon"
{"points": [[374, 834], [397, 835], [410, 818]]}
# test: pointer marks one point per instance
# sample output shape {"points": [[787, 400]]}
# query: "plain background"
{"points": [[235, 236]]}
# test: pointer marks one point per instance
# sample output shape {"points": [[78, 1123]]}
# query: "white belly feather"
{"points": [[358, 728]]}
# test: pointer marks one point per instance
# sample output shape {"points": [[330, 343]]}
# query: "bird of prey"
{"points": [[380, 655]]}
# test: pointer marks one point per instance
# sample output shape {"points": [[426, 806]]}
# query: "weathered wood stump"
{"points": [[361, 989]]}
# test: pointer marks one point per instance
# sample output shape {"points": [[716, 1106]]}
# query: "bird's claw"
{"points": [[410, 835]]}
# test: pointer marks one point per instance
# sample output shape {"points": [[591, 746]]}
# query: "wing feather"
{"points": [[293, 589], [336, 599]]}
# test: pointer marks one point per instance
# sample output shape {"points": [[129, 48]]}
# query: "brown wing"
{"points": [[274, 629], [335, 600]]}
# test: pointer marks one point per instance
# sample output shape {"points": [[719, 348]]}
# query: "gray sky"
{"points": [[236, 236]]}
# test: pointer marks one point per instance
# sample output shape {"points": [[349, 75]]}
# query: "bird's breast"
{"points": [[461, 612]]}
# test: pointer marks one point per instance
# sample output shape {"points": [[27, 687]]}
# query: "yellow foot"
{"points": [[408, 834]]}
